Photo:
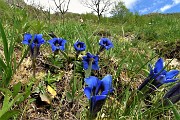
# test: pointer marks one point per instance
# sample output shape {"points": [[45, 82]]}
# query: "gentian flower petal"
{"points": [[107, 92], [170, 80], [51, 41], [79, 46], [99, 97], [89, 55], [40, 38], [87, 91], [106, 43], [91, 81], [57, 44], [158, 66], [53, 48], [96, 58], [95, 63], [27, 38], [85, 64], [61, 48], [172, 74], [98, 87], [95, 66], [107, 82]]}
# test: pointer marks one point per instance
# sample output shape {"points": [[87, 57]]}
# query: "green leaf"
{"points": [[16, 89], [2, 64], [6, 100], [5, 44], [9, 114], [69, 96], [24, 55], [79, 95], [28, 90], [175, 111], [120, 66], [64, 54], [74, 87]]}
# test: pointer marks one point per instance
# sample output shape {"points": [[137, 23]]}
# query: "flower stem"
{"points": [[34, 67], [88, 71]]}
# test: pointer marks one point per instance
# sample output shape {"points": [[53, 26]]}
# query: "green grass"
{"points": [[127, 62]]}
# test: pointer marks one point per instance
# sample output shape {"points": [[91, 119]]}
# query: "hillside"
{"points": [[118, 68]]}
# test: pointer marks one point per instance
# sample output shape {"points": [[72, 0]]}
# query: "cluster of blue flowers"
{"points": [[97, 90], [59, 44]]}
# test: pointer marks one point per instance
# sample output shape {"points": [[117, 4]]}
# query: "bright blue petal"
{"points": [[172, 74], [75, 46], [51, 41], [27, 38], [53, 48], [101, 41], [96, 58], [105, 42], [99, 97], [42, 41], [25, 42], [38, 36], [91, 81], [63, 41], [87, 91], [89, 55], [107, 82], [85, 64], [39, 39], [158, 66], [61, 48], [107, 92], [170, 80], [95, 66], [98, 87]]}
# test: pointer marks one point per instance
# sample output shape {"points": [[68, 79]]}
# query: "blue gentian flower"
{"points": [[159, 75], [97, 91], [173, 95], [57, 44], [105, 43], [35, 43], [90, 58], [79, 46]]}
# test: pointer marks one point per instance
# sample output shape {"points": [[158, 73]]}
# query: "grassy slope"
{"points": [[150, 31]]}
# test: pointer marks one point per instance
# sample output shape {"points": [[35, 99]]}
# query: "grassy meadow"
{"points": [[57, 90]]}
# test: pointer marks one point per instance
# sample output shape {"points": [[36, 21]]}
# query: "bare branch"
{"points": [[98, 6]]}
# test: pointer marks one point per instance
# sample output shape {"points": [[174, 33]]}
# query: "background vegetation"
{"points": [[138, 40]]}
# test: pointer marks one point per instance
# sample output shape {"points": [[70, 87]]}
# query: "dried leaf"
{"points": [[51, 91], [45, 98]]}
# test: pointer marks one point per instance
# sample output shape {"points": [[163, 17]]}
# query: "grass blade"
{"points": [[5, 43]]}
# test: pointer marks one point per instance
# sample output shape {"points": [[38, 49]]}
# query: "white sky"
{"points": [[75, 6]]}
